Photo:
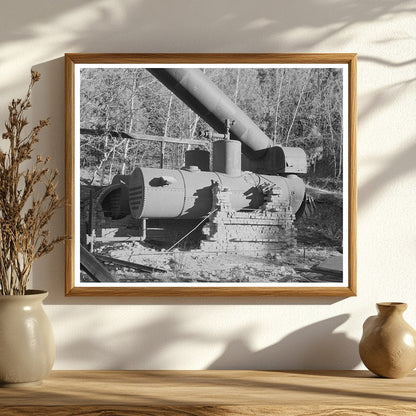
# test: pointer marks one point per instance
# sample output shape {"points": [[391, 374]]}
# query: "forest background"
{"points": [[120, 107]]}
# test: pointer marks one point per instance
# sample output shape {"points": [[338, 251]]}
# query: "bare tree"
{"points": [[297, 106]]}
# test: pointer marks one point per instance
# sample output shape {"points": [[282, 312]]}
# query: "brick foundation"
{"points": [[268, 230]]}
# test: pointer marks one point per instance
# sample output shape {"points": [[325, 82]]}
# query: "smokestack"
{"points": [[226, 157]]}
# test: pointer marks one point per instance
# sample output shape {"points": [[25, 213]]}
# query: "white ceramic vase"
{"points": [[27, 347]]}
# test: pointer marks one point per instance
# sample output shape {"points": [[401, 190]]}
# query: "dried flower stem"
{"points": [[23, 217]]}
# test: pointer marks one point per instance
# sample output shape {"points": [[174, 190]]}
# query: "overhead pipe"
{"points": [[214, 107]]}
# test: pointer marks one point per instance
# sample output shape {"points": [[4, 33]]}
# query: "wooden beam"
{"points": [[148, 137], [94, 267], [124, 263]]}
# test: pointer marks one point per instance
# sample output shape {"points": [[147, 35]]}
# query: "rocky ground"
{"points": [[198, 266], [319, 236]]}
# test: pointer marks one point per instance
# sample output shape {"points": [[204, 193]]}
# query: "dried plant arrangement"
{"points": [[28, 198]]}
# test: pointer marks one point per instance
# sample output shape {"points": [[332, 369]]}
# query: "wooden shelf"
{"points": [[203, 393]]}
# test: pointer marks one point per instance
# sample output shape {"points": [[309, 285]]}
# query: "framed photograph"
{"points": [[211, 174]]}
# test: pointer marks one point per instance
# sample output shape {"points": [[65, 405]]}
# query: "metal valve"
{"points": [[210, 134]]}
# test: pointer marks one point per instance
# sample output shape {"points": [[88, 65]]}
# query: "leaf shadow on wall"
{"points": [[403, 162], [152, 345], [106, 26], [392, 170], [150, 22], [313, 347], [140, 346]]}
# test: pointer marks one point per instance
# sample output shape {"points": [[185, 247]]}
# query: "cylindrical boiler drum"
{"points": [[168, 193], [114, 201]]}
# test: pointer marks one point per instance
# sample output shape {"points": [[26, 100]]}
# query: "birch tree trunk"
{"points": [[105, 143], [237, 84], [131, 124], [165, 132], [276, 112], [297, 107], [333, 149]]}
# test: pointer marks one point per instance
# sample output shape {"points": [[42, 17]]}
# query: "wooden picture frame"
{"points": [[80, 80]]}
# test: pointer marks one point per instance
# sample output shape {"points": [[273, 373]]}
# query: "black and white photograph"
{"points": [[211, 175]]}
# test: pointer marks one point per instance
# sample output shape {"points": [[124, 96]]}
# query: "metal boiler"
{"points": [[243, 161]]}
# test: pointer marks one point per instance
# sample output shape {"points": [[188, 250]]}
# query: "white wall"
{"points": [[199, 333]]}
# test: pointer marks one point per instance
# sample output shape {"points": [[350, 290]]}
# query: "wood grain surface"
{"points": [[202, 393]]}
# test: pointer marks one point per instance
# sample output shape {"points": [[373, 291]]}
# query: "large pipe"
{"points": [[213, 106]]}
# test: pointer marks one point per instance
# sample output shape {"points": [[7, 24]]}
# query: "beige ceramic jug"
{"points": [[388, 344]]}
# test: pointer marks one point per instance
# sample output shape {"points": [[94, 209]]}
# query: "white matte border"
{"points": [[77, 81]]}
